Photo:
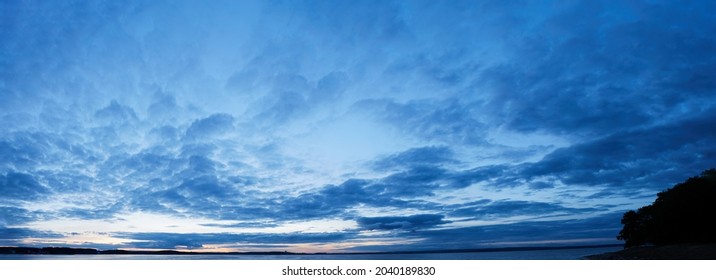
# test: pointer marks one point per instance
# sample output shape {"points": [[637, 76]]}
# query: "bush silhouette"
{"points": [[685, 213]]}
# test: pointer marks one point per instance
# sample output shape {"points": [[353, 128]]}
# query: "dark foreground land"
{"points": [[89, 251], [666, 252]]}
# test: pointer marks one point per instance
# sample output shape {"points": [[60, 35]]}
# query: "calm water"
{"points": [[564, 254]]}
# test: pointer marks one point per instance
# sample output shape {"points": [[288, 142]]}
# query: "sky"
{"points": [[347, 126]]}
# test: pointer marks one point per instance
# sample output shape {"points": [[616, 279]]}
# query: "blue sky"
{"points": [[327, 126]]}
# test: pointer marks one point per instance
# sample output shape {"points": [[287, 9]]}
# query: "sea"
{"points": [[554, 254]]}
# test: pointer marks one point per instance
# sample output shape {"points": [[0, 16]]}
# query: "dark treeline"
{"points": [[85, 251], [684, 214], [48, 250]]}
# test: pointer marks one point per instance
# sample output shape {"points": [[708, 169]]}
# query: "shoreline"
{"points": [[665, 252], [90, 251]]}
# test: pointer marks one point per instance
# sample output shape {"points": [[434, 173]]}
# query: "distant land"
{"points": [[90, 251]]}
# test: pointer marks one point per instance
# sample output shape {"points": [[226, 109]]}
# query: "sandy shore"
{"points": [[668, 252]]}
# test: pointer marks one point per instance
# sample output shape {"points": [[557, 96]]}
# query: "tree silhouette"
{"points": [[685, 213]]}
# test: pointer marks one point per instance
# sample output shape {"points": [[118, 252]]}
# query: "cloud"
{"points": [[97, 212], [26, 150], [13, 216], [417, 181], [596, 230], [338, 200], [414, 222], [419, 119], [21, 187], [330, 201], [13, 236], [195, 241], [147, 162], [330, 87], [163, 108], [447, 121], [209, 127], [244, 225], [496, 174], [432, 155], [201, 196], [116, 113], [483, 210], [607, 73], [653, 157]]}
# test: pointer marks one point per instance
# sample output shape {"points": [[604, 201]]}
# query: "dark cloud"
{"points": [[293, 97], [164, 107], [244, 225], [242, 181], [11, 216], [330, 87], [595, 230], [147, 162], [13, 236], [201, 165], [414, 222], [288, 105], [116, 113], [335, 200], [21, 187], [97, 212], [207, 187], [449, 68], [654, 157], [28, 150], [371, 20], [165, 133], [417, 181], [67, 182], [508, 208], [210, 126], [432, 155], [15, 156], [197, 149], [202, 196], [488, 173], [316, 205], [538, 185], [605, 68], [449, 121], [196, 240]]}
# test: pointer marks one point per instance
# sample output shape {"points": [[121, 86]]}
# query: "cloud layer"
{"points": [[339, 126]]}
